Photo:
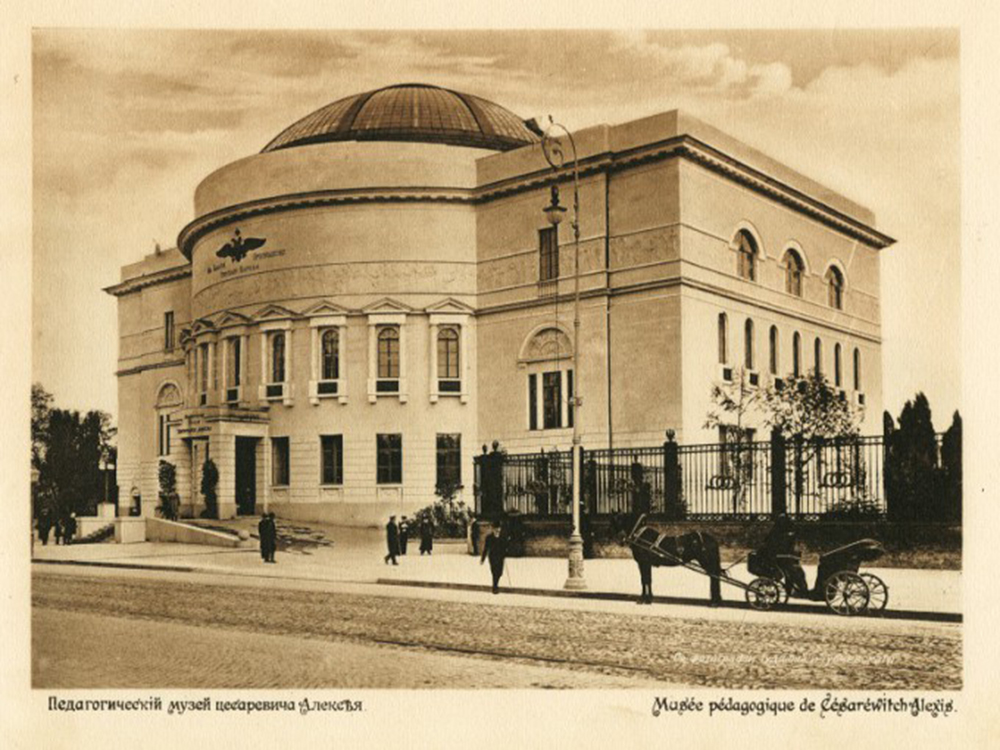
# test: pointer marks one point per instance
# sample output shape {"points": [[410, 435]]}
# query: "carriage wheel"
{"points": [[763, 593], [846, 593], [878, 592]]}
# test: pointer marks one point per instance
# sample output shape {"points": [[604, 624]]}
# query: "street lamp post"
{"points": [[553, 150]]}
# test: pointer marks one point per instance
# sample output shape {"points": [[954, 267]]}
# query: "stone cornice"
{"points": [[204, 224], [701, 153], [152, 366], [150, 279]]}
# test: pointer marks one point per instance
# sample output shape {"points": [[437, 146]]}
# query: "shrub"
{"points": [[169, 499], [209, 488], [450, 517]]}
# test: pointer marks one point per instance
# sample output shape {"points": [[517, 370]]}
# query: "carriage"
{"points": [[839, 583]]}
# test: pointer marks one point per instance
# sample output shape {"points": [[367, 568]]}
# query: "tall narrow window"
{"points": [[388, 352], [793, 273], [448, 361], [723, 339], [280, 473], [818, 356], [390, 459], [332, 459], [449, 460], [164, 435], [569, 398], [748, 344], [168, 330], [203, 365], [747, 251], [836, 365], [278, 357], [330, 354], [532, 402], [835, 283], [234, 364], [548, 254], [796, 355], [772, 360], [857, 370], [551, 400]]}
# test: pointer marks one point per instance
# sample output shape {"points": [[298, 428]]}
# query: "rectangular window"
{"points": [[280, 474], [234, 362], [390, 459], [164, 435], [551, 400], [532, 402], [449, 460], [569, 396], [332, 449], [168, 331], [548, 254]]}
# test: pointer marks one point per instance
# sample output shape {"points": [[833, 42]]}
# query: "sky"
{"points": [[127, 122]]}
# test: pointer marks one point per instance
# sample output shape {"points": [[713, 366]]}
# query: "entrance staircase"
{"points": [[102, 534]]}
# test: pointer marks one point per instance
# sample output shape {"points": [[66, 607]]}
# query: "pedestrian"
{"points": [[264, 534], [57, 528], [474, 533], [495, 548], [404, 534], [426, 536], [392, 540], [272, 530], [69, 529], [44, 525]]}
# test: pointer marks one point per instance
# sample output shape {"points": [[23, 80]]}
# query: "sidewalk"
{"points": [[356, 556]]}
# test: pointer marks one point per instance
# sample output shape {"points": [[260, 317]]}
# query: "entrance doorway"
{"points": [[246, 476]]}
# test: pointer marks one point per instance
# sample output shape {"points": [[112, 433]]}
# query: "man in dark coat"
{"points": [[272, 532], [44, 525], [404, 535], [495, 548], [426, 536], [69, 528], [392, 540], [264, 533]]}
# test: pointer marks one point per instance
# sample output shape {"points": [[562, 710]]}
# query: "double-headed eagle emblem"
{"points": [[238, 247]]}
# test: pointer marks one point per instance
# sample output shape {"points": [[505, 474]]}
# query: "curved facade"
{"points": [[356, 309]]}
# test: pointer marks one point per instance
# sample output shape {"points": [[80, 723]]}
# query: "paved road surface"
{"points": [[172, 631]]}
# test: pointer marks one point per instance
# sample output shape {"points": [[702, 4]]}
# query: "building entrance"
{"points": [[246, 476]]}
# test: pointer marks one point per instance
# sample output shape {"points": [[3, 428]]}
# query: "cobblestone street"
{"points": [[105, 631]]}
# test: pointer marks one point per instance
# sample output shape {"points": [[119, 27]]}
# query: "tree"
{"points": [[811, 412], [734, 405], [41, 410], [70, 450], [916, 486], [209, 488], [951, 468]]}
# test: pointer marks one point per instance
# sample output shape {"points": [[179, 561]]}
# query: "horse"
{"points": [[695, 546]]}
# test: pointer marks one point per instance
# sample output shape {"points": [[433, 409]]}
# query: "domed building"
{"points": [[353, 311]]}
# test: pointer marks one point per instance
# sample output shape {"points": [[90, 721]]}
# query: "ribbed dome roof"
{"points": [[410, 112]]}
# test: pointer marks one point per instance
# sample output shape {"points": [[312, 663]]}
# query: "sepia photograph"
{"points": [[571, 377], [496, 359]]}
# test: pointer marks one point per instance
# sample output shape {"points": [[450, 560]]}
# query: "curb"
{"points": [[127, 566], [897, 614]]}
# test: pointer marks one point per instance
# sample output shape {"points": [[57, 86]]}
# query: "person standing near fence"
{"points": [[404, 534], [495, 548], [426, 536]]}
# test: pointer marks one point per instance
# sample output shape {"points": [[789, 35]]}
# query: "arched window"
{"points": [[746, 248], [818, 356], [835, 284], [796, 355], [278, 357], [773, 351], [447, 354], [330, 354], [857, 370], [388, 352], [793, 273], [748, 344], [723, 339], [836, 365]]}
